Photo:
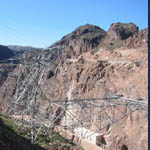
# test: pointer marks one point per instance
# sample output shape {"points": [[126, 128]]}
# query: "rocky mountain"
{"points": [[5, 52], [12, 50], [121, 31], [17, 48], [138, 39], [93, 63], [82, 39]]}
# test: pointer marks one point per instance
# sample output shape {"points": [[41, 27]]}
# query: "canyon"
{"points": [[88, 63]]}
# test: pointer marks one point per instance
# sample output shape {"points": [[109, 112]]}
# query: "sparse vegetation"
{"points": [[90, 36], [11, 140], [43, 96], [114, 45], [20, 139], [95, 50]]}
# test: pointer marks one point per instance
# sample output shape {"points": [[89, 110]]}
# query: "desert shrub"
{"points": [[114, 45]]}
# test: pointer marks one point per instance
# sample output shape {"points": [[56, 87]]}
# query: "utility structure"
{"points": [[103, 111], [24, 104], [69, 115]]}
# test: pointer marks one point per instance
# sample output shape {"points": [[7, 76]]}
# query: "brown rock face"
{"points": [[125, 134], [138, 39], [121, 31], [83, 39]]}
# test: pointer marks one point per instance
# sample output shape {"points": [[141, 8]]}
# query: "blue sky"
{"points": [[40, 23]]}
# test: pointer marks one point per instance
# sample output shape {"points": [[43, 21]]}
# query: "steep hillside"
{"points": [[12, 50], [5, 52], [138, 39], [13, 137], [9, 140], [83, 39]]}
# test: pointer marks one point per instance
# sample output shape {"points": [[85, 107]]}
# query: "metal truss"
{"points": [[96, 114], [92, 114], [24, 103]]}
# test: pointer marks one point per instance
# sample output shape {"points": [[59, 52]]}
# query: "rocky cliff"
{"points": [[83, 39], [121, 31], [138, 39]]}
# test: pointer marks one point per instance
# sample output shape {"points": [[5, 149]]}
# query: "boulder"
{"points": [[121, 31]]}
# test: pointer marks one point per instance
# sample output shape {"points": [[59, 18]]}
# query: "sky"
{"points": [[39, 23]]}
